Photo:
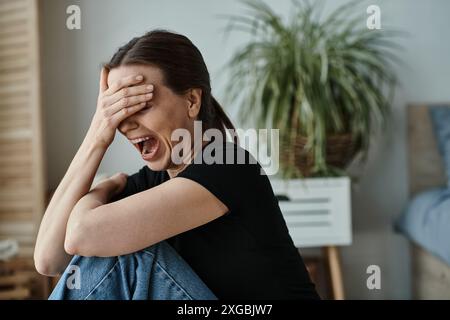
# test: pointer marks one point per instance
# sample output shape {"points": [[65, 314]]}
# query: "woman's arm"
{"points": [[113, 106], [49, 255], [98, 228]]}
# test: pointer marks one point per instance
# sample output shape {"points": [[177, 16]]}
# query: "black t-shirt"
{"points": [[246, 253]]}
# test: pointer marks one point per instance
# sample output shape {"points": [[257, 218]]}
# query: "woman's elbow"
{"points": [[45, 265], [71, 247], [76, 241]]}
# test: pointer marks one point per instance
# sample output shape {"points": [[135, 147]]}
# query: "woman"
{"points": [[174, 230]]}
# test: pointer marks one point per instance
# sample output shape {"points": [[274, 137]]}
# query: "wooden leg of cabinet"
{"points": [[334, 268]]}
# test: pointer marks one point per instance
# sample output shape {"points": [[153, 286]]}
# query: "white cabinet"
{"points": [[318, 212]]}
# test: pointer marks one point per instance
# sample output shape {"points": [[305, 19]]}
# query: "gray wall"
{"points": [[71, 61]]}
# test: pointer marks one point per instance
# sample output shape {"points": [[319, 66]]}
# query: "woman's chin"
{"points": [[159, 163]]}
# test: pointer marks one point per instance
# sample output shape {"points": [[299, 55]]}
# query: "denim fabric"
{"points": [[155, 273]]}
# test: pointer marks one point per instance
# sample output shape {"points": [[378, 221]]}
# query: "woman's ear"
{"points": [[194, 97]]}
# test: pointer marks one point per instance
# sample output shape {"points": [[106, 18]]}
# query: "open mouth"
{"points": [[147, 146]]}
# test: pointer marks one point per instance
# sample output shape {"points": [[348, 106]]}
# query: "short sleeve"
{"points": [[231, 182]]}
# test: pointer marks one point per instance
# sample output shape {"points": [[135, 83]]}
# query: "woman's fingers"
{"points": [[120, 181], [124, 113], [109, 115], [123, 83], [119, 175], [127, 102], [103, 80], [128, 92]]}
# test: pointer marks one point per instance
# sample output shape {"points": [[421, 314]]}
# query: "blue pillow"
{"points": [[440, 118], [426, 221]]}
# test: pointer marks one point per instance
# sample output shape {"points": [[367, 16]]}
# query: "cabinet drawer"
{"points": [[317, 211]]}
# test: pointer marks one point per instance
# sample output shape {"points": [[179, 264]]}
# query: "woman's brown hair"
{"points": [[182, 66]]}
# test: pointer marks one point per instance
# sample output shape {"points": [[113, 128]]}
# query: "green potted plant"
{"points": [[324, 83]]}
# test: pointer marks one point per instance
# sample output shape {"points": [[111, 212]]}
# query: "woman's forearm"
{"points": [[114, 104], [79, 220], [50, 256]]}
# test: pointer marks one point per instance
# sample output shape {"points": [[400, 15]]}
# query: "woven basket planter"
{"points": [[340, 151]]}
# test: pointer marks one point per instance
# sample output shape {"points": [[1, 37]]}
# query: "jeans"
{"points": [[154, 273]]}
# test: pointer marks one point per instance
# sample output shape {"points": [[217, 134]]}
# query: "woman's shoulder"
{"points": [[228, 163]]}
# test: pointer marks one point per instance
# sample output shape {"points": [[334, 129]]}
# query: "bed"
{"points": [[427, 183]]}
